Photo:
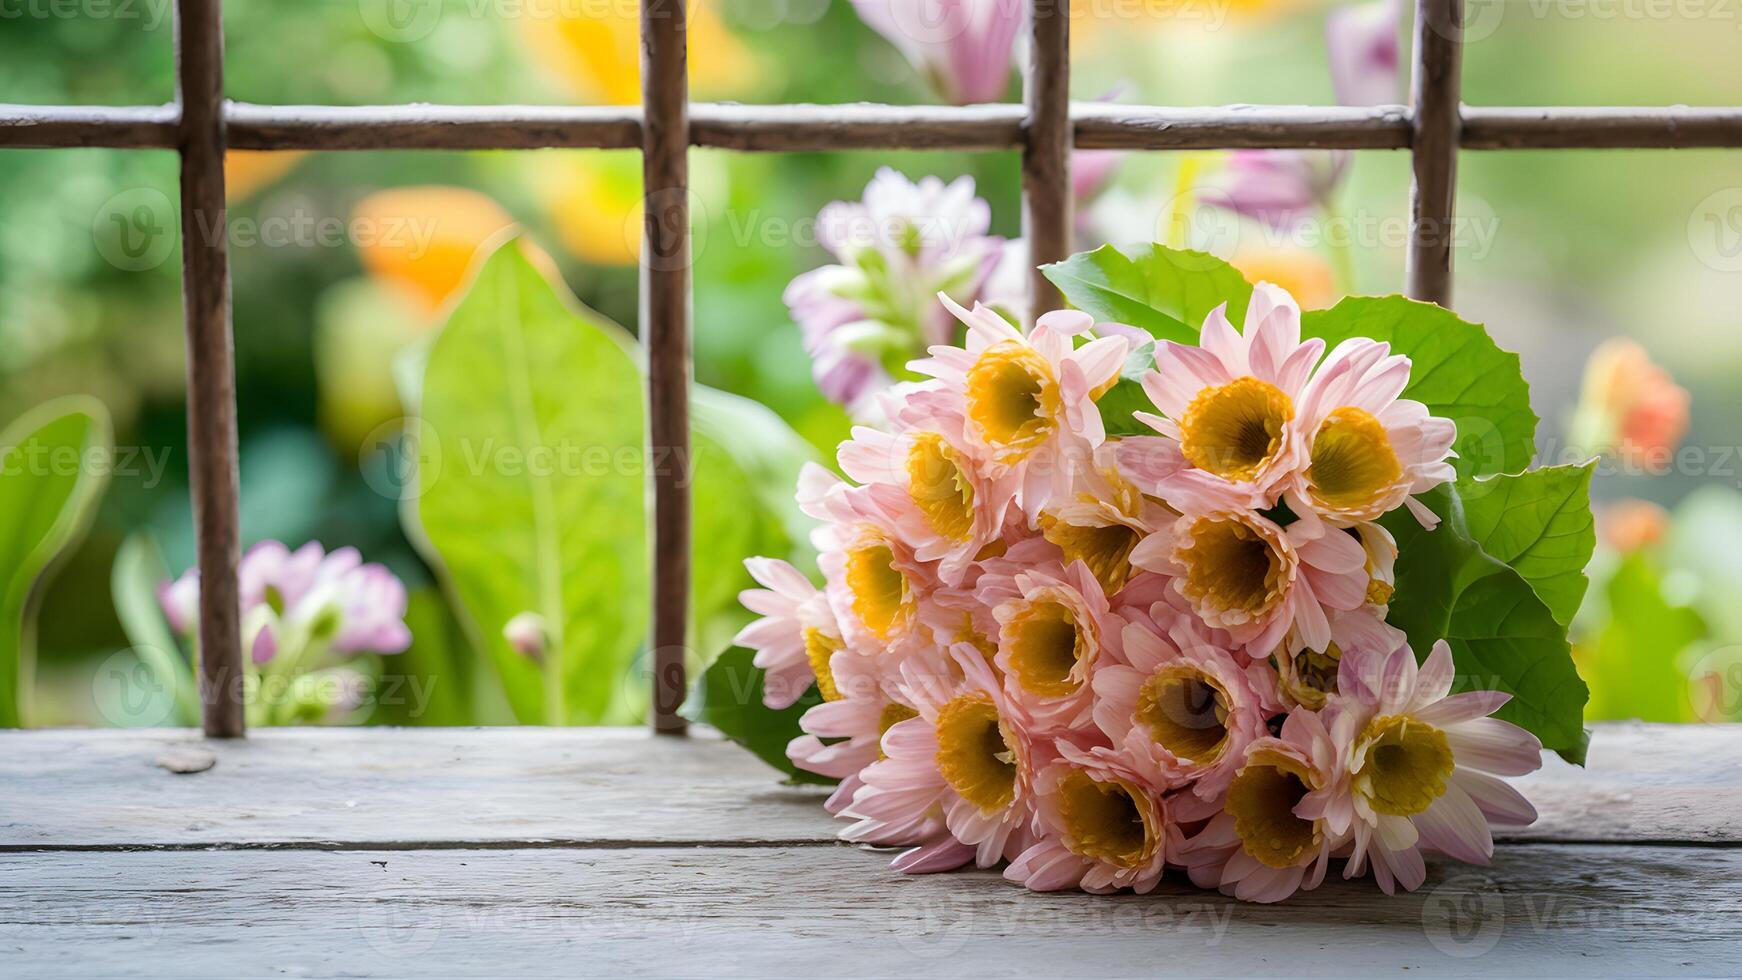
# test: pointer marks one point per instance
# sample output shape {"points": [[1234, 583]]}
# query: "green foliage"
{"points": [[728, 696], [1636, 660], [133, 582], [54, 463], [1502, 636], [1456, 370], [531, 492], [1165, 291], [1539, 522]]}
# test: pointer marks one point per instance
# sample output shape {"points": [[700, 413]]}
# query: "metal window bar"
{"points": [[202, 124]]}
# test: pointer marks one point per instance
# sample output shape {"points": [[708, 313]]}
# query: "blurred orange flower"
{"points": [[1304, 273], [420, 241], [598, 53], [1630, 406], [593, 200], [1628, 525], [246, 171]]}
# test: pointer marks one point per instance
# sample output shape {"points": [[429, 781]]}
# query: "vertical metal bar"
{"points": [[1046, 153], [665, 329], [211, 368], [1435, 82]]}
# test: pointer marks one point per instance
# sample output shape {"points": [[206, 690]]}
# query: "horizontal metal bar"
{"points": [[861, 126]]}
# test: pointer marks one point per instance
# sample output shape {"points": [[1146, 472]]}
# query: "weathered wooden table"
{"points": [[534, 852]]}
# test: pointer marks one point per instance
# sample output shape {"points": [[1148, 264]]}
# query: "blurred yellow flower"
{"points": [[593, 200], [246, 171], [420, 241], [1304, 273], [598, 53], [1096, 20]]}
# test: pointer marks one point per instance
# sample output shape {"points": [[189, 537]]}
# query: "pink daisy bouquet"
{"points": [[1181, 581]]}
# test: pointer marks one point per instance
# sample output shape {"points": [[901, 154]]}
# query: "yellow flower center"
{"points": [[881, 598], [894, 713], [1235, 429], [1379, 593], [1046, 644], [1231, 566], [1186, 712], [1261, 799], [1309, 675], [818, 648], [1352, 460], [1106, 549], [940, 487], [1107, 820], [1407, 765], [1013, 397], [974, 752]]}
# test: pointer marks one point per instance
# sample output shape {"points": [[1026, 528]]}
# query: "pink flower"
{"points": [[1306, 675], [1265, 844], [1362, 41], [874, 582], [864, 318], [1231, 404], [1101, 522], [961, 47], [1281, 188], [1367, 449], [966, 754], [1190, 708], [1240, 572], [858, 708], [1030, 401], [1630, 406], [1104, 824], [946, 497], [1423, 766], [180, 600], [796, 635], [1053, 624]]}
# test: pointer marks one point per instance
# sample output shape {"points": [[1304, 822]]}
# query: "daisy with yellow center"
{"points": [[1051, 628], [1368, 451], [1029, 401], [844, 734], [1104, 522], [795, 636], [963, 754], [1270, 836], [1232, 403], [874, 582], [1107, 824], [1307, 676], [1423, 765]]}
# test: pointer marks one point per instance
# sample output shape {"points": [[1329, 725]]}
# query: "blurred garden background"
{"points": [[342, 262]]}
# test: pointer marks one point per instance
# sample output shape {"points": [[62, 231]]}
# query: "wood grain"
{"points": [[665, 330], [1434, 86], [388, 787], [1539, 910], [211, 362], [1046, 149]]}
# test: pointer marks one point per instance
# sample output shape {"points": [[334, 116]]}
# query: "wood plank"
{"points": [[1542, 910], [503, 786]]}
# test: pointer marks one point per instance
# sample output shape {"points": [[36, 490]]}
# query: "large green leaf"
{"points": [[1635, 662], [1165, 291], [1539, 522], [54, 462], [728, 696], [531, 484], [1502, 636], [1457, 371]]}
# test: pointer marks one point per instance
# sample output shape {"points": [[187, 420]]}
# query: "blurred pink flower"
{"points": [[1628, 525], [962, 47], [1362, 42], [1630, 406]]}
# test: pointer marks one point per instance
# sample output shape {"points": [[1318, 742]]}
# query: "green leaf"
{"points": [[1165, 291], [54, 463], [1502, 636], [1457, 371], [1539, 522], [133, 582], [728, 696], [1634, 663], [531, 483]]}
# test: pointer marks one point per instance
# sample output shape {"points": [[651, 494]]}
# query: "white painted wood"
{"points": [[404, 787], [828, 911]]}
